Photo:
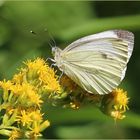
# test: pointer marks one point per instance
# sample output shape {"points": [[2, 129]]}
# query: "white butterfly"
{"points": [[98, 62]]}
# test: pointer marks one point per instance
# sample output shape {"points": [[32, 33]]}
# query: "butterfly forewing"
{"points": [[98, 62]]}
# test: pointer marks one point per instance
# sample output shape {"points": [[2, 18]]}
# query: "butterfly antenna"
{"points": [[52, 39], [52, 42]]}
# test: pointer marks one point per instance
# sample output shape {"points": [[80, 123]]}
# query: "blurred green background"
{"points": [[67, 21]]}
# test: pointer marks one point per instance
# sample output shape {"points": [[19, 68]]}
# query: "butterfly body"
{"points": [[98, 62]]}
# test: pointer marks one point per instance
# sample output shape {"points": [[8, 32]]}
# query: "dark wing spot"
{"points": [[126, 35]]}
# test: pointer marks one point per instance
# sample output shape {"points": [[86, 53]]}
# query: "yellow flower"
{"points": [[24, 118], [16, 89], [121, 99], [36, 116], [30, 95], [18, 78], [46, 76], [34, 98], [6, 85], [52, 86], [37, 128], [35, 67], [35, 132], [115, 103], [23, 96], [27, 94], [14, 135], [49, 80], [38, 64]]}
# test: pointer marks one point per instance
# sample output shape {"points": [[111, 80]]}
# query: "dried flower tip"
{"points": [[117, 115], [74, 105]]}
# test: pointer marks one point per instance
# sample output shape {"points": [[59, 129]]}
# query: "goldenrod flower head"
{"points": [[35, 131], [6, 85], [120, 99], [24, 117], [115, 103], [36, 67], [37, 128], [34, 99], [38, 64], [17, 89], [19, 78], [15, 134], [49, 80], [28, 95], [46, 75], [36, 116], [51, 85]]}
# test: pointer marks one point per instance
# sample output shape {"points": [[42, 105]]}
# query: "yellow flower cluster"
{"points": [[23, 99], [115, 104], [39, 74]]}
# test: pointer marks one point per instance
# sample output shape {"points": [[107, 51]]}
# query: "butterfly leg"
{"points": [[61, 75], [50, 59]]}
